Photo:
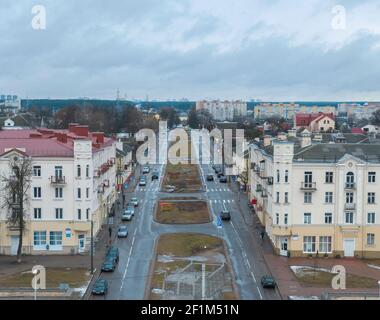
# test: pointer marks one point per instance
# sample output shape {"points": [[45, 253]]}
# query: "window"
{"points": [[59, 193], [37, 213], [371, 197], [55, 238], [307, 218], [329, 177], [79, 214], [308, 176], [39, 239], [59, 213], [79, 193], [371, 177], [78, 171], [87, 193], [308, 244], [328, 197], [286, 216], [286, 176], [88, 214], [349, 218], [350, 179], [37, 171], [277, 197], [278, 176], [349, 197], [371, 217], [277, 218], [307, 198], [328, 218], [37, 192], [58, 171], [87, 171], [286, 197], [370, 239], [325, 244]]}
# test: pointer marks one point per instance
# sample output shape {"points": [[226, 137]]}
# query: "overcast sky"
{"points": [[271, 50]]}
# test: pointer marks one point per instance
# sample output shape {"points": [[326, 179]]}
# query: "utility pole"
{"points": [[203, 281], [92, 246]]}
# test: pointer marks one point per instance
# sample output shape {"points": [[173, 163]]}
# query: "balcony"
{"points": [[308, 186], [259, 188], [349, 206], [281, 230], [350, 186], [270, 181], [58, 180]]}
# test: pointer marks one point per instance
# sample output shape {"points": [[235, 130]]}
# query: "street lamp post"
{"points": [[92, 247]]}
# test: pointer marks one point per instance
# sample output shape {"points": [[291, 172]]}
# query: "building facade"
{"points": [[223, 110], [10, 104], [315, 122], [317, 198], [72, 185]]}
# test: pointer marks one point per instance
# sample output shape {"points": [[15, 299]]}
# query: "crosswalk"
{"points": [[219, 190], [222, 201]]}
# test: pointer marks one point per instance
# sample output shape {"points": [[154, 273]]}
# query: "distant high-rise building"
{"points": [[223, 110]]}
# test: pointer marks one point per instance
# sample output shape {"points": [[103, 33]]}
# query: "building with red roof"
{"points": [[315, 122]]}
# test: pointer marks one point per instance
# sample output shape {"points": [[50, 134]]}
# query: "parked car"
{"points": [[122, 232], [135, 201], [100, 287], [142, 182], [217, 169], [225, 215], [220, 174], [128, 214], [210, 177], [155, 176], [113, 253], [146, 169], [223, 179], [268, 282], [109, 265]]}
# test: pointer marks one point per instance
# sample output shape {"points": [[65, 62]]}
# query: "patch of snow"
{"points": [[157, 291], [165, 258], [302, 270], [373, 266], [304, 298]]}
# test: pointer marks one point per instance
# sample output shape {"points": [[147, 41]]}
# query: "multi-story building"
{"points": [[358, 110], [315, 122], [223, 110], [72, 186], [10, 104], [288, 110], [317, 198]]}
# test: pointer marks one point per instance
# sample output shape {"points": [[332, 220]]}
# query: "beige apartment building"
{"points": [[317, 198], [72, 185]]}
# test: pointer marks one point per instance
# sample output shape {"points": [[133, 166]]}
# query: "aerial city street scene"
{"points": [[189, 151]]}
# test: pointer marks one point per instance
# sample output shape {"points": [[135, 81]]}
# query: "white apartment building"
{"points": [[357, 110], [73, 183], [10, 103], [223, 110], [317, 198]]}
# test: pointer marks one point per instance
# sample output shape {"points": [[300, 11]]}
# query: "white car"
{"points": [[128, 214], [142, 183], [135, 201], [146, 170]]}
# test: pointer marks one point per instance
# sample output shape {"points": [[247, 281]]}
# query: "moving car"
{"points": [[146, 169], [155, 176], [135, 201], [142, 182], [109, 265], [122, 232], [268, 282], [223, 179], [225, 215], [210, 177], [128, 214], [113, 253], [100, 287], [220, 174]]}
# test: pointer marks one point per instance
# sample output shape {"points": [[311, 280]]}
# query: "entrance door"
{"points": [[284, 247], [349, 247], [14, 245], [81, 243]]}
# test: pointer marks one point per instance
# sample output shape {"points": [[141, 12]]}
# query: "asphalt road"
{"points": [[129, 280]]}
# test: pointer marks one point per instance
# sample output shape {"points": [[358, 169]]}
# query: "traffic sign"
{"points": [[219, 222]]}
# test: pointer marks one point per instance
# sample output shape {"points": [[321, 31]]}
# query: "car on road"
{"points": [[225, 215], [155, 176], [109, 265], [146, 169], [100, 287], [128, 214], [223, 179], [122, 232], [113, 253], [210, 177], [268, 282], [135, 201], [142, 182], [220, 174], [217, 169]]}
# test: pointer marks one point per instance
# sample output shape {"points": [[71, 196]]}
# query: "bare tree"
{"points": [[15, 189], [243, 176]]}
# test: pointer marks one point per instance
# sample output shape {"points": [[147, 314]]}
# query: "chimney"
{"points": [[99, 137], [62, 137], [292, 133], [81, 131], [305, 139], [281, 136], [72, 126], [267, 140]]}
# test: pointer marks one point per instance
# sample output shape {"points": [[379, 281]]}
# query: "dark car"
{"points": [[225, 215], [100, 287], [268, 282], [220, 174], [113, 253], [109, 265], [155, 176], [210, 177], [223, 179], [217, 169]]}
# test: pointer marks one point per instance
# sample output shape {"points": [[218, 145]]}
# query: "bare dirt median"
{"points": [[183, 211], [182, 178], [178, 264]]}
